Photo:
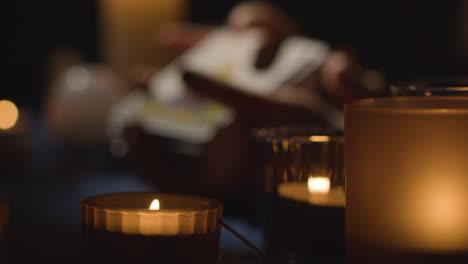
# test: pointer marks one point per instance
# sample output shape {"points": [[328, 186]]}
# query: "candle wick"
{"points": [[258, 251]]}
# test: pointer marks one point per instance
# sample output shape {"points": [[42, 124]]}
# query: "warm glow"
{"points": [[319, 138], [407, 188], [318, 184], [436, 214], [8, 114], [154, 205]]}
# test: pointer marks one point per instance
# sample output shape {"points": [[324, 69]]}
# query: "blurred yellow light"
{"points": [[8, 114], [319, 138]]}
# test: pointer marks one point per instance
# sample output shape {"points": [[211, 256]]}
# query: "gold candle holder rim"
{"points": [[420, 105], [439, 85], [205, 203], [317, 139], [124, 212]]}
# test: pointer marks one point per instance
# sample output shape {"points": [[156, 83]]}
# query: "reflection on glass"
{"points": [[302, 181], [439, 86]]}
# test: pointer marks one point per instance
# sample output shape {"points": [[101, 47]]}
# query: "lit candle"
{"points": [[310, 204], [144, 226], [317, 155], [407, 180], [129, 28]]}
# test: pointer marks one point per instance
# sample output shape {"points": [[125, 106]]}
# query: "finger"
{"points": [[141, 75], [341, 76], [257, 14], [275, 25], [178, 37]]}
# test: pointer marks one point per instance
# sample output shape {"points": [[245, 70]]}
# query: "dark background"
{"points": [[404, 39]]}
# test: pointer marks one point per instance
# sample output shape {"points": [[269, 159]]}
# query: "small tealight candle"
{"points": [[311, 200], [146, 226]]}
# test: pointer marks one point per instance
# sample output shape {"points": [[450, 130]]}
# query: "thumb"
{"points": [[344, 79]]}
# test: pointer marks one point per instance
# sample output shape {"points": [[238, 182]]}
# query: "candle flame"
{"points": [[318, 184], [319, 138], [154, 205], [8, 114]]}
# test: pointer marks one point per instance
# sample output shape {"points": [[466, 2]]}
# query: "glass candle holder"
{"points": [[407, 180], [311, 199], [272, 153], [146, 227], [302, 225]]}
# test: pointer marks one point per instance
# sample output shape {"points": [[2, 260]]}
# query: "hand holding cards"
{"points": [[222, 66]]}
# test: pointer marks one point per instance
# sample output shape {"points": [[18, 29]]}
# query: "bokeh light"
{"points": [[8, 114]]}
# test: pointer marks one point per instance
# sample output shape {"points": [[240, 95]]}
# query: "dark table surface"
{"points": [[40, 196]]}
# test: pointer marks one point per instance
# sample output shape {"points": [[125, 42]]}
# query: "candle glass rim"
{"points": [[423, 90], [207, 204], [411, 105], [442, 85], [286, 132]]}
